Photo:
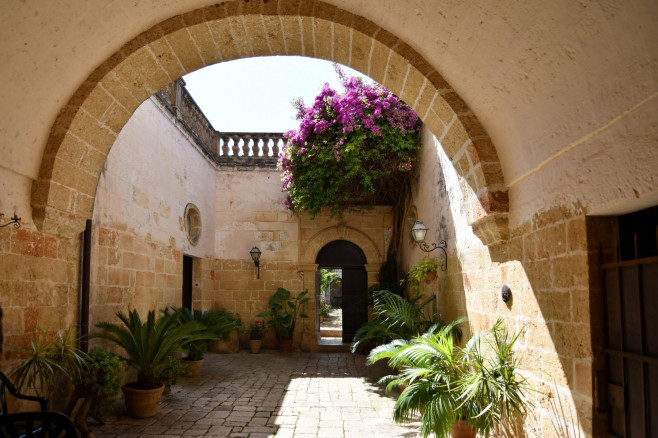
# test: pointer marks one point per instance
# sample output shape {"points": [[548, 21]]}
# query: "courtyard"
{"points": [[270, 394]]}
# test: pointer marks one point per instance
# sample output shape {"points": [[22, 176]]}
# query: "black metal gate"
{"points": [[630, 291]]}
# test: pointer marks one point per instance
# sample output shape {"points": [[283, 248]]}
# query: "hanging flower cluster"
{"points": [[350, 148]]}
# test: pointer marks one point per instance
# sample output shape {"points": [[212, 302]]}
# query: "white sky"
{"points": [[256, 94]]}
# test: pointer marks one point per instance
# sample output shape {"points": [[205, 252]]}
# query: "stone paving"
{"points": [[328, 395]]}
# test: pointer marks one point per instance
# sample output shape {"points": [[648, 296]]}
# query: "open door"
{"points": [[348, 260]]}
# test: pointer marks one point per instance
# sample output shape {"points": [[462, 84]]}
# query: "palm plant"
{"points": [[47, 359], [216, 323], [149, 344], [479, 383], [397, 318]]}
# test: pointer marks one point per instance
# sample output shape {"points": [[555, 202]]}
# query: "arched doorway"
{"points": [[349, 260]]}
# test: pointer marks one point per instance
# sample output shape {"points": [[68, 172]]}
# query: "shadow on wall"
{"points": [[545, 266]]}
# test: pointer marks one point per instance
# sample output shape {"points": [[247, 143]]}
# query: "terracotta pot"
{"points": [[461, 429], [141, 403], [254, 345], [194, 366], [431, 276], [285, 345]]}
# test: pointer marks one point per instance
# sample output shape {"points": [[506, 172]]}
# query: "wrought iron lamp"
{"points": [[13, 220], [255, 256], [419, 231]]}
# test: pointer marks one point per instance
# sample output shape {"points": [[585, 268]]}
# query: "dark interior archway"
{"points": [[350, 259]]}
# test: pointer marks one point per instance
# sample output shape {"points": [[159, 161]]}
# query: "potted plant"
{"points": [[147, 346], [398, 318], [47, 359], [98, 385], [256, 333], [421, 273], [475, 389], [325, 309], [283, 314], [169, 374], [216, 324]]}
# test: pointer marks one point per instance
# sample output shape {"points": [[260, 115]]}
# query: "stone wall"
{"points": [[139, 238], [38, 284], [545, 263]]}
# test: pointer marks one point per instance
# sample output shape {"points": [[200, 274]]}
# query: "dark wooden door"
{"points": [[355, 301], [188, 265], [349, 258], [631, 350]]}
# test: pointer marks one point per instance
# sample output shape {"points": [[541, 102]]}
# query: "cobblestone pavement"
{"points": [[271, 394]]}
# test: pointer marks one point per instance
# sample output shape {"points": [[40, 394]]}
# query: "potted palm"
{"points": [[398, 318], [475, 389], [284, 311], [46, 360], [256, 333], [147, 346], [216, 324]]}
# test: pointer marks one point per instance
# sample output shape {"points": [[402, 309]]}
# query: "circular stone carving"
{"points": [[192, 219]]}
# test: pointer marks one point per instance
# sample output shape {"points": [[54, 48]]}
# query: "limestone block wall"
{"points": [[139, 238], [38, 284], [545, 263]]}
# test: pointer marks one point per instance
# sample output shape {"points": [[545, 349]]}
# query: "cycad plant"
{"points": [[149, 344], [398, 318], [478, 384], [216, 324]]}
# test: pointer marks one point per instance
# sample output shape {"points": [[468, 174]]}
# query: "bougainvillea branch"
{"points": [[351, 148]]}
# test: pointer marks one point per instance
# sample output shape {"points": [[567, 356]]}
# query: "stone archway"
{"points": [[84, 131]]}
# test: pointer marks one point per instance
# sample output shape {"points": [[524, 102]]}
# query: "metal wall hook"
{"points": [[13, 220]]}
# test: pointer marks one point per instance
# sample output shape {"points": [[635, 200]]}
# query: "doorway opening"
{"points": [[341, 279], [331, 305], [188, 273]]}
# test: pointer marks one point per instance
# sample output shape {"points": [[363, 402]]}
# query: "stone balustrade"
{"points": [[235, 149]]}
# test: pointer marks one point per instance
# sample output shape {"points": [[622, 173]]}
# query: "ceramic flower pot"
{"points": [[461, 429], [194, 366], [255, 345], [141, 403], [285, 345]]}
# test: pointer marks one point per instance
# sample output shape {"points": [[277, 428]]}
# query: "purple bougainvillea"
{"points": [[349, 147]]}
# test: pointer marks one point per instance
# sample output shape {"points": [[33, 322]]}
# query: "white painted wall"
{"points": [[151, 173]]}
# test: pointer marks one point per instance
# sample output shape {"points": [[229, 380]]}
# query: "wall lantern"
{"points": [[255, 256], [419, 231], [14, 220]]}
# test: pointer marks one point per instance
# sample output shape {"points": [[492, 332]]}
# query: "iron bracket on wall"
{"points": [[13, 220], [443, 246]]}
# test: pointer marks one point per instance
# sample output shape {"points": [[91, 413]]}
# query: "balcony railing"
{"points": [[234, 149]]}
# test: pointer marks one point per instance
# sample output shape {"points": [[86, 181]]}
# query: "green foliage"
{"points": [[257, 330], [352, 147], [149, 344], [327, 276], [103, 375], [479, 383], [387, 279], [325, 308], [47, 359], [397, 318], [417, 275], [284, 311], [171, 371], [217, 324]]}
